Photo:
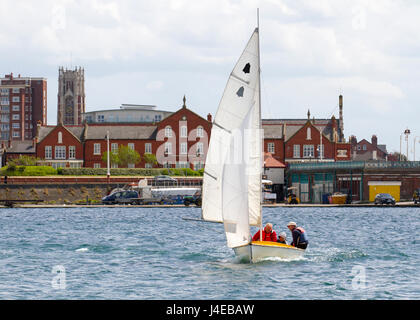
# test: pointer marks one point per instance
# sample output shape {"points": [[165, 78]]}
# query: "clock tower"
{"points": [[71, 96]]}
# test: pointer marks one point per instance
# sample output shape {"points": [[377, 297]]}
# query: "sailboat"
{"points": [[233, 173]]}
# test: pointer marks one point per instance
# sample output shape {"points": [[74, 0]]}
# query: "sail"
{"points": [[232, 177]]}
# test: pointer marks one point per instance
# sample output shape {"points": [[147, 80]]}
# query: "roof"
{"points": [[270, 162], [21, 147], [273, 131], [121, 132], [76, 131]]}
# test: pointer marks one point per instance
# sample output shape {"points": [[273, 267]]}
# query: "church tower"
{"points": [[71, 96]]}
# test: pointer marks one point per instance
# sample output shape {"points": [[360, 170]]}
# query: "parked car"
{"points": [[416, 196], [384, 198], [122, 197], [165, 180]]}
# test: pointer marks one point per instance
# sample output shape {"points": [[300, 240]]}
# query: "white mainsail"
{"points": [[232, 176]]}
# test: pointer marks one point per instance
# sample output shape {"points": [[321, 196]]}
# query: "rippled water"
{"points": [[152, 253]]}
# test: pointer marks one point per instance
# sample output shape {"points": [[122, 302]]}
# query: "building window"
{"points": [[200, 133], [4, 91], [97, 148], [5, 118], [114, 165], [320, 150], [114, 147], [97, 165], [308, 134], [16, 125], [16, 134], [130, 146], [198, 165], [364, 147], [60, 152], [358, 148], [184, 132], [5, 126], [296, 151], [5, 109], [16, 90], [148, 148], [60, 137], [270, 147], [168, 148], [48, 152], [184, 148], [72, 152], [148, 166], [75, 165], [16, 107], [200, 149], [168, 132], [16, 99], [130, 165], [182, 164], [308, 151], [15, 117], [101, 118], [158, 117], [4, 101]]}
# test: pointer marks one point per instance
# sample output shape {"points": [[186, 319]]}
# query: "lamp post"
{"points": [[108, 171], [414, 149], [407, 133]]}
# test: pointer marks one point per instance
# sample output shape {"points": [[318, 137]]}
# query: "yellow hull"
{"points": [[260, 250]]}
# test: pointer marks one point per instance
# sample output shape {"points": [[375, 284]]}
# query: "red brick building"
{"points": [[365, 150], [23, 102], [180, 140]]}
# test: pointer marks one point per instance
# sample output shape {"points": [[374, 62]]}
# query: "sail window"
{"points": [[240, 92], [247, 68]]}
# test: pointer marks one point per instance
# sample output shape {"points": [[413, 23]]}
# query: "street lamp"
{"points": [[415, 140], [108, 173], [407, 133]]}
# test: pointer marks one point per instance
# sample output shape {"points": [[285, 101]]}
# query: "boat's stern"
{"points": [[243, 253]]}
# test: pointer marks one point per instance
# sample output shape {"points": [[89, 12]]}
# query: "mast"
{"points": [[259, 107]]}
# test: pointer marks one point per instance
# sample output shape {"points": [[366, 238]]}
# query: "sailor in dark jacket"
{"points": [[300, 239]]}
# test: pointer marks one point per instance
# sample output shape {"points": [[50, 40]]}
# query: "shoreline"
{"points": [[278, 205]]}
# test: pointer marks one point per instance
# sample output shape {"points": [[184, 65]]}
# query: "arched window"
{"points": [[308, 133], [200, 133], [184, 132], [60, 137], [168, 132]]}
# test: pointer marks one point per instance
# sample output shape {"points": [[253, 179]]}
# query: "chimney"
{"points": [[209, 117], [340, 104], [375, 141]]}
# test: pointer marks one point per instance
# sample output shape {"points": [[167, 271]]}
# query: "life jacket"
{"points": [[267, 236], [303, 238]]}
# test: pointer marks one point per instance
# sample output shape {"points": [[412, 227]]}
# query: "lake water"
{"points": [[152, 253]]}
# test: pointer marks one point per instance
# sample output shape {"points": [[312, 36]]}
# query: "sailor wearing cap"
{"points": [[300, 239], [282, 238]]}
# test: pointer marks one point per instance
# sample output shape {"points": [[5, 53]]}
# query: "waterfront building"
{"points": [[307, 140], [71, 96], [361, 180], [127, 113], [23, 102], [365, 150], [178, 141]]}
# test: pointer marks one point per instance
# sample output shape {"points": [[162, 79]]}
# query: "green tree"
{"points": [[150, 159], [127, 155], [23, 161], [122, 157]]}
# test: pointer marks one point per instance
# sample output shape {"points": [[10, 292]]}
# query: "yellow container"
{"points": [[339, 198]]}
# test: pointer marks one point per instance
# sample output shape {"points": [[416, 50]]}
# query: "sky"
{"points": [[155, 52]]}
